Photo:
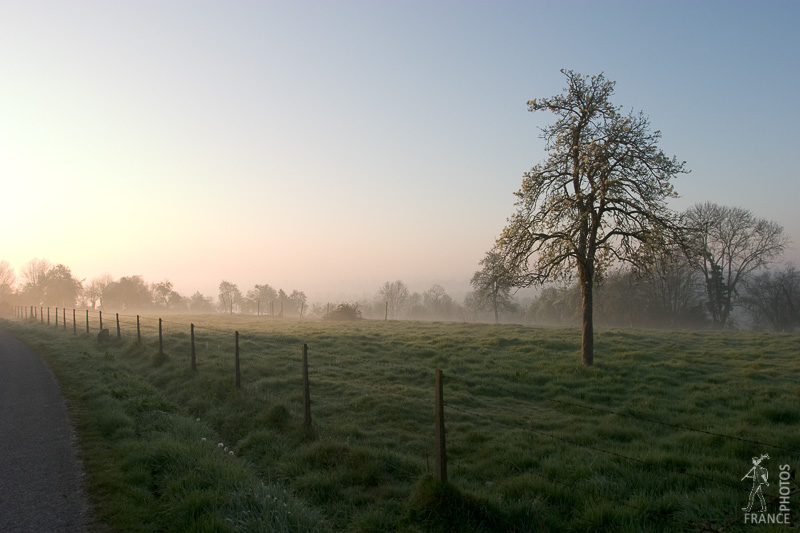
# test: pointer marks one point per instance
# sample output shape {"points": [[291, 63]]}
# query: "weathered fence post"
{"points": [[48, 311], [64, 317], [238, 375], [119, 333], [87, 321], [306, 389], [41, 315], [74, 323], [100, 314], [194, 360], [48, 316], [138, 331], [441, 451], [160, 339], [386, 313]]}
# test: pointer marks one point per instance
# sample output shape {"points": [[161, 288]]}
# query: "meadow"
{"points": [[656, 436]]}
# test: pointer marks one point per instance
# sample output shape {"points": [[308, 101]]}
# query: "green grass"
{"points": [[655, 436]]}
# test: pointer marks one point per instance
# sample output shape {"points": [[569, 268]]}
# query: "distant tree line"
{"points": [[722, 273]]}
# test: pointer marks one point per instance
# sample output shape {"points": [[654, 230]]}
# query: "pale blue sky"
{"points": [[330, 146]]}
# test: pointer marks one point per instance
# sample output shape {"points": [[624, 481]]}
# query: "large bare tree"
{"points": [[726, 244], [598, 198]]}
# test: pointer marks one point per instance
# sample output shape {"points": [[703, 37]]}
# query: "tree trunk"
{"points": [[587, 328]]}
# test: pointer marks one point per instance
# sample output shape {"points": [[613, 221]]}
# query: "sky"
{"points": [[330, 146]]}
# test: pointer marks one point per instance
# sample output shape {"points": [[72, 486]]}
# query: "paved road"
{"points": [[40, 477]]}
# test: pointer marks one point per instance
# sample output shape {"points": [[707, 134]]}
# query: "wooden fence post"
{"points": [[74, 323], [48, 311], [41, 314], [306, 391], [160, 339], [441, 451], [119, 334], [194, 360], [238, 374], [87, 321], [64, 317], [138, 331], [48, 316], [100, 314]]}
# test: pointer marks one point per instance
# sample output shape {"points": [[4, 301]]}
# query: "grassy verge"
{"points": [[655, 436]]}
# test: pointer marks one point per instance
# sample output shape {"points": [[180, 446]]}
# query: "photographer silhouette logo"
{"points": [[760, 476]]}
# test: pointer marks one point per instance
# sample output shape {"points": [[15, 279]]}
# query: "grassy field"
{"points": [[656, 436]]}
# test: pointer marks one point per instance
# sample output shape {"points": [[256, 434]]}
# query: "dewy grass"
{"points": [[655, 436]]}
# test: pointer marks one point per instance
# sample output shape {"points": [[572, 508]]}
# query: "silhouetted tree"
{"points": [[259, 298], [229, 296], [773, 299], [162, 293], [395, 295], [438, 304], [343, 312], [60, 288], [93, 291], [201, 304], [599, 197], [298, 301], [127, 294], [33, 274], [672, 291], [726, 244], [492, 285], [7, 280]]}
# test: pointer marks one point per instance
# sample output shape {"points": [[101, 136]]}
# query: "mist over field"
{"points": [[329, 148]]}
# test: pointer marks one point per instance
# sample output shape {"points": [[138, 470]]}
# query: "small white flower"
{"points": [[198, 420], [203, 439], [230, 453], [220, 445], [226, 449]]}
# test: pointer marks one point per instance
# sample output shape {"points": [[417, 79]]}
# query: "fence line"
{"points": [[440, 406]]}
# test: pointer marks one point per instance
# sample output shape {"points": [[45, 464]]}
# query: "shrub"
{"points": [[344, 312]]}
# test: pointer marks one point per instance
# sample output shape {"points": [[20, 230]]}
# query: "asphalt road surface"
{"points": [[40, 476]]}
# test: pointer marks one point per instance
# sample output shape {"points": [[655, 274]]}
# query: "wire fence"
{"points": [[334, 372]]}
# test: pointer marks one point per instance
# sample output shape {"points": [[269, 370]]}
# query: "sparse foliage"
{"points": [[7, 280], [492, 285], [600, 196], [395, 295], [229, 296], [163, 294], [93, 291], [773, 299], [726, 244], [33, 274]]}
